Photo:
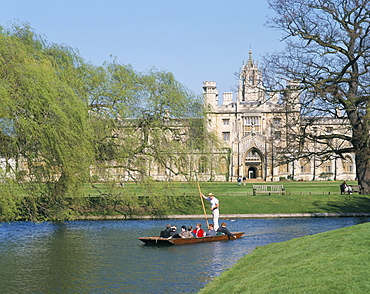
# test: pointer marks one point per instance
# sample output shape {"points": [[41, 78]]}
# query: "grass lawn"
{"points": [[300, 197], [330, 262]]}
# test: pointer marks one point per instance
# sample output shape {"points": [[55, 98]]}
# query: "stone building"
{"points": [[261, 132]]}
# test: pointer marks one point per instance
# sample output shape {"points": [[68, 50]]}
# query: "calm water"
{"points": [[107, 257]]}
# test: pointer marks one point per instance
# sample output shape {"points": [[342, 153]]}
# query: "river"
{"points": [[107, 257]]}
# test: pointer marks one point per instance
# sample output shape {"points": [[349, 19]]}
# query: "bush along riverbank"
{"points": [[330, 262]]}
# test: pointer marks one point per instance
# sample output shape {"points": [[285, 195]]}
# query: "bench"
{"points": [[268, 189], [355, 189]]}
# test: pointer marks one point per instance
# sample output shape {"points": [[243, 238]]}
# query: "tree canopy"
{"points": [[142, 119], [60, 116], [327, 55]]}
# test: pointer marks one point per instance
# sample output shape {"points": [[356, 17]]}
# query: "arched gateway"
{"points": [[253, 164]]}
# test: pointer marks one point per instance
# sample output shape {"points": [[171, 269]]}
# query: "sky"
{"points": [[196, 40]]}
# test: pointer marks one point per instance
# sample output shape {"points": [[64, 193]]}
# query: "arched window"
{"points": [[284, 165], [347, 164], [223, 166], [203, 165], [182, 164], [327, 166], [253, 155], [305, 165], [283, 168]]}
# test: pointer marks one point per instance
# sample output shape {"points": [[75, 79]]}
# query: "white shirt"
{"points": [[213, 201]]}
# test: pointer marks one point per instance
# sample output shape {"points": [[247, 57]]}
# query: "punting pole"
{"points": [[201, 198]]}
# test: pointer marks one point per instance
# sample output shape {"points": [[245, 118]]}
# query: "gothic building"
{"points": [[260, 131]]}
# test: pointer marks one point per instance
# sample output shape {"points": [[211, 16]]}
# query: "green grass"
{"points": [[331, 262], [301, 197]]}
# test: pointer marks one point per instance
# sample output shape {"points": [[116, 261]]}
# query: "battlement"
{"points": [[227, 97], [209, 84]]}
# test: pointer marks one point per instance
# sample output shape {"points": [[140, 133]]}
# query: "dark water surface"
{"points": [[107, 257]]}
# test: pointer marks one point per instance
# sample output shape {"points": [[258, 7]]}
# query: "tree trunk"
{"points": [[363, 168]]}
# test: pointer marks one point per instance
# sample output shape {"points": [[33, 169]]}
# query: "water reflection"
{"points": [[107, 257]]}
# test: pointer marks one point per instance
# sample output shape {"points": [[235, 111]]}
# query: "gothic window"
{"points": [[182, 163], [327, 166], [223, 167], [203, 165], [277, 121], [253, 155], [277, 135], [160, 168], [226, 122], [305, 165], [347, 164], [283, 168], [252, 120], [226, 136]]}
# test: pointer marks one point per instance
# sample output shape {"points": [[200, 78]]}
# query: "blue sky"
{"points": [[196, 40]]}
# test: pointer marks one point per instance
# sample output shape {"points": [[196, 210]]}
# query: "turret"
{"points": [[292, 95], [227, 98], [210, 93]]}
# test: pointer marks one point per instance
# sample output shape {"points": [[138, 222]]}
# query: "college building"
{"points": [[264, 133]]}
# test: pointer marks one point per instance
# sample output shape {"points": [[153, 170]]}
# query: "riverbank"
{"points": [[183, 199], [222, 216], [331, 262], [163, 200]]}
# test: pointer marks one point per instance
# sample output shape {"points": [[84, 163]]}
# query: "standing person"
{"points": [[239, 181], [245, 180], [224, 230], [214, 208]]}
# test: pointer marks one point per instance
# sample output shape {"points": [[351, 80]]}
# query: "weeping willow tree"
{"points": [[145, 118], [145, 124], [44, 135], [60, 116]]}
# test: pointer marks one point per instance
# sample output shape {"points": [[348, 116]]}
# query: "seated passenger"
{"points": [[224, 230], [211, 231], [174, 233], [185, 233], [166, 232], [190, 229], [199, 231]]}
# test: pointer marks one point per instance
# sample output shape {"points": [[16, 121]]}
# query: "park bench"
{"points": [[355, 189], [268, 189]]}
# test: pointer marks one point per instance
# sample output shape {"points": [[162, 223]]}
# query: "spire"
{"points": [[250, 62]]}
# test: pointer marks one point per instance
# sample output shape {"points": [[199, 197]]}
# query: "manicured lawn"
{"points": [[331, 262], [300, 197]]}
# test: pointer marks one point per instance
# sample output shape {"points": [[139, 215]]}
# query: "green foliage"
{"points": [[327, 55], [167, 198], [60, 116], [10, 199], [143, 119], [46, 120]]}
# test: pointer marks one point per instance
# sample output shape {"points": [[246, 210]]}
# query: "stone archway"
{"points": [[253, 162], [252, 173]]}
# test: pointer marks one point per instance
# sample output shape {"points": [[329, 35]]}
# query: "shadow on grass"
{"points": [[349, 203]]}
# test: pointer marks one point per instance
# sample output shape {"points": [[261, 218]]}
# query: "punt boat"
{"points": [[182, 241]]}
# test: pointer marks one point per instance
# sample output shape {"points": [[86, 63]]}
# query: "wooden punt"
{"points": [[182, 241]]}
